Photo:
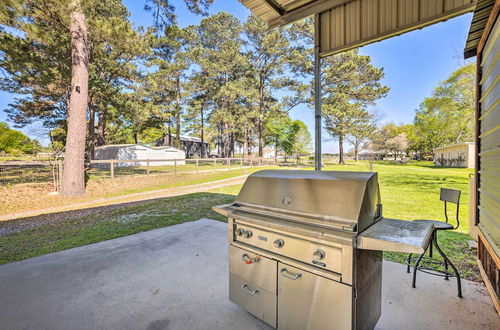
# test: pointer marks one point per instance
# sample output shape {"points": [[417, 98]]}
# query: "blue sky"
{"points": [[414, 63]]}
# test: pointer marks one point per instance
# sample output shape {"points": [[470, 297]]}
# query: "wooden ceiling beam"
{"points": [[276, 7]]}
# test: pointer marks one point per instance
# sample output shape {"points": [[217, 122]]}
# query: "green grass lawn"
{"points": [[409, 191]]}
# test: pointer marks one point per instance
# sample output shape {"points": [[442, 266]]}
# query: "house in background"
{"points": [[268, 151], [140, 153], [191, 145], [456, 155]]}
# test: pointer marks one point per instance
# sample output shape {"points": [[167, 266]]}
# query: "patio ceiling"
{"points": [[479, 20], [346, 24]]}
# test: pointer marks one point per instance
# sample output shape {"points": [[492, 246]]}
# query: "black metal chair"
{"points": [[447, 196]]}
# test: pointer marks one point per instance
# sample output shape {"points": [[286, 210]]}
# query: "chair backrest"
{"points": [[450, 196]]}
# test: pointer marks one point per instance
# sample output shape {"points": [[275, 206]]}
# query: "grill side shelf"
{"points": [[224, 209], [396, 236]]}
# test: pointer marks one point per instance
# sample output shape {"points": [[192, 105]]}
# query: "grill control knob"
{"points": [[239, 231], [247, 234], [279, 243], [319, 254]]}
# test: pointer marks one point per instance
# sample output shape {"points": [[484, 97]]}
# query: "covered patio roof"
{"points": [[346, 24]]}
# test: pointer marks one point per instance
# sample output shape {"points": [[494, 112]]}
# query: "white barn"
{"points": [[141, 153], [456, 155]]}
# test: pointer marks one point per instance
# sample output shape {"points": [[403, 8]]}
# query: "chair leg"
{"points": [[430, 245], [446, 269], [408, 262], [415, 269], [455, 270]]}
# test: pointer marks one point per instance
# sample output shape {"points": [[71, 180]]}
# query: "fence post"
{"points": [[196, 165], [112, 168], [147, 167], [175, 166], [60, 163], [260, 161], [241, 162], [229, 164], [215, 168]]}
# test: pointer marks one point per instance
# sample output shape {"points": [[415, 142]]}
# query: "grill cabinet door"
{"points": [[308, 301]]}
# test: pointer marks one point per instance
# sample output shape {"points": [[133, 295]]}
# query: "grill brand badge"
{"points": [[287, 200]]}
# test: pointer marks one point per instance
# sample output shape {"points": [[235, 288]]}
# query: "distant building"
{"points": [[190, 144], [141, 153], [268, 152], [456, 155]]}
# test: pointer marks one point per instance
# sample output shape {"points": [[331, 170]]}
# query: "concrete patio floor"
{"points": [[176, 278]]}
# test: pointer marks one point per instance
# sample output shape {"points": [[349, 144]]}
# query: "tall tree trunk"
{"points": [[249, 150], [136, 138], [169, 132], [245, 143], [178, 112], [101, 127], [227, 143], [341, 149], [202, 147], [233, 142], [73, 178], [260, 126], [91, 145], [261, 138], [220, 152], [356, 152]]}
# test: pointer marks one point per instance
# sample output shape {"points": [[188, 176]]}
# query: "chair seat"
{"points": [[438, 225]]}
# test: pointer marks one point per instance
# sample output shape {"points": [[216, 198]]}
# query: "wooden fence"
{"points": [[114, 167], [50, 171]]}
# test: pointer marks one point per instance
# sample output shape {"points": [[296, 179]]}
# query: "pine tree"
{"points": [[51, 64], [349, 83], [268, 53], [218, 56]]}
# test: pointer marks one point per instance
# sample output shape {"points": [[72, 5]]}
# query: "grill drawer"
{"points": [[261, 272], [257, 301]]}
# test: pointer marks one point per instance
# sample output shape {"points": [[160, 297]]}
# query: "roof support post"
{"points": [[317, 96]]}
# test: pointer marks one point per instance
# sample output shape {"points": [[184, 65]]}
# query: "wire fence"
{"points": [[50, 171], [30, 172]]}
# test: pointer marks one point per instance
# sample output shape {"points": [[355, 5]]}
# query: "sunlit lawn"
{"points": [[409, 191]]}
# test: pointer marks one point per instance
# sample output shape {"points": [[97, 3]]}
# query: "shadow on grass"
{"points": [[44, 234]]}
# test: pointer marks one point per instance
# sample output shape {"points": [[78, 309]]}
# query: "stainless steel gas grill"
{"points": [[298, 258]]}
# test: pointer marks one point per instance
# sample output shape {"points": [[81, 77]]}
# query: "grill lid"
{"points": [[332, 197]]}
